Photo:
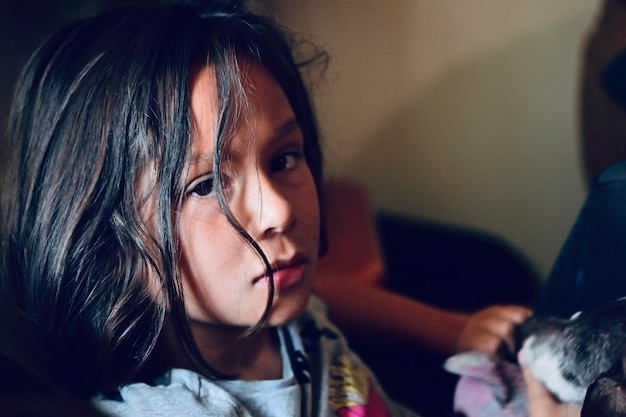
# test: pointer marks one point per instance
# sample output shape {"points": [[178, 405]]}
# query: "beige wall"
{"points": [[462, 111], [457, 111]]}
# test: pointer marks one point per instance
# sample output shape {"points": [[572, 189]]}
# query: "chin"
{"points": [[287, 309]]}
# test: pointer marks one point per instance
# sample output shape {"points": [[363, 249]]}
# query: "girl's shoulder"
{"points": [[178, 392]]}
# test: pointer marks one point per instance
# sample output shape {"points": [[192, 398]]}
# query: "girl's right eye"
{"points": [[202, 187]]}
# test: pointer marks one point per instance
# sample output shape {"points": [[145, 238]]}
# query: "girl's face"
{"points": [[271, 192]]}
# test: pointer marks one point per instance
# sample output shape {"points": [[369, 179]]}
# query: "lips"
{"points": [[287, 275]]}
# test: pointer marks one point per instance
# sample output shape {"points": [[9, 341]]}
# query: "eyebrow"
{"points": [[205, 156], [285, 129]]}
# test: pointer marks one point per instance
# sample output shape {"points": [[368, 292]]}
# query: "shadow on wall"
{"points": [[492, 144]]}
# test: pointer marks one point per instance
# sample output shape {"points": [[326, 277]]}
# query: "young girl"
{"points": [[160, 219], [161, 224]]}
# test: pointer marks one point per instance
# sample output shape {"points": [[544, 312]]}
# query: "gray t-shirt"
{"points": [[321, 377]]}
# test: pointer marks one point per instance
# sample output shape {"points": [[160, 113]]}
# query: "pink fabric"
{"points": [[375, 407], [487, 387]]}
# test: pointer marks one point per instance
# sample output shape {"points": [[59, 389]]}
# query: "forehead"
{"points": [[263, 97], [204, 109]]}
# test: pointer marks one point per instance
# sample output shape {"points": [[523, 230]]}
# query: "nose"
{"points": [[269, 207]]}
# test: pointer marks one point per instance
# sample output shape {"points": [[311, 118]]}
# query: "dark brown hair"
{"points": [[103, 101]]}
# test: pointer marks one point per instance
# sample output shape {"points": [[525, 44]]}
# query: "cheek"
{"points": [[206, 247], [203, 237], [200, 221]]}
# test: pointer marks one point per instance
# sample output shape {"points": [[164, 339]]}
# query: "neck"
{"points": [[255, 357]]}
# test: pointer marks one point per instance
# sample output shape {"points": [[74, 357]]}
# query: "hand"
{"points": [[491, 330], [543, 404]]}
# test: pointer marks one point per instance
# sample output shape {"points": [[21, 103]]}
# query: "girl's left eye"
{"points": [[287, 161], [203, 188]]}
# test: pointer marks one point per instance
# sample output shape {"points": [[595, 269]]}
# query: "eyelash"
{"points": [[297, 155], [204, 186]]}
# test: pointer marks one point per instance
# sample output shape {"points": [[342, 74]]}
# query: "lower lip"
{"points": [[287, 277]]}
